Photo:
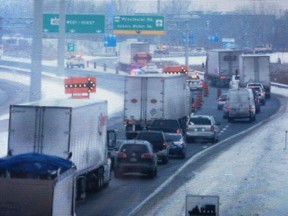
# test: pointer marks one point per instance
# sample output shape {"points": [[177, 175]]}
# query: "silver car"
{"points": [[202, 126]]}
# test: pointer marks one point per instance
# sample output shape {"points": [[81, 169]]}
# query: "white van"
{"points": [[240, 104]]}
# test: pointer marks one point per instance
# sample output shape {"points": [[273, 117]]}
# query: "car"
{"points": [[75, 61], [177, 144], [198, 51], [161, 51], [151, 69], [239, 105], [195, 84], [261, 91], [168, 125], [135, 156], [221, 101], [202, 126], [257, 101], [158, 141]]}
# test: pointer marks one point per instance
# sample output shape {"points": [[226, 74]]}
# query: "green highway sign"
{"points": [[75, 23], [71, 47], [142, 24]]}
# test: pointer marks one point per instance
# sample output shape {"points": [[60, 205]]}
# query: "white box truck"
{"points": [[151, 97], [255, 68], [70, 129], [133, 54], [221, 64], [37, 184]]}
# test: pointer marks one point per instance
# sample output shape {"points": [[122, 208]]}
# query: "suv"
{"points": [[167, 125], [158, 141], [239, 105], [135, 156], [257, 84], [261, 91], [202, 126]]}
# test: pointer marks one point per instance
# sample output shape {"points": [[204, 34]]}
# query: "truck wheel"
{"points": [[100, 179], [117, 174], [152, 173], [165, 160], [91, 182]]}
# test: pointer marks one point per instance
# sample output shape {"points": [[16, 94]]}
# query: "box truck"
{"points": [[67, 128], [221, 64], [133, 54], [255, 68], [151, 97]]}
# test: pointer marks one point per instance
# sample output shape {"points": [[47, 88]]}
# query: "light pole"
{"points": [[61, 37], [36, 57], [186, 43]]}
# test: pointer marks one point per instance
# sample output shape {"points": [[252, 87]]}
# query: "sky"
{"points": [[218, 5], [249, 178]]}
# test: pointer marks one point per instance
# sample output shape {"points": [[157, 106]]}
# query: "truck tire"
{"points": [[165, 159], [81, 186], [153, 173], [100, 179], [92, 181], [117, 174]]}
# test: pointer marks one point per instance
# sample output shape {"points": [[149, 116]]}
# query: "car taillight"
{"points": [[212, 128], [227, 108], [222, 77], [165, 145], [178, 131], [251, 108], [147, 155], [121, 155]]}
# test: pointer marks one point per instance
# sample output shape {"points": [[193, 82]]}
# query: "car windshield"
{"points": [[130, 148], [151, 137], [172, 137], [200, 121]]}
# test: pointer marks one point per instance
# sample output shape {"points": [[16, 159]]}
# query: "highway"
{"points": [[137, 188]]}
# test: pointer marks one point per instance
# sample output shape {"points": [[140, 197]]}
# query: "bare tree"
{"points": [[258, 7], [175, 7]]}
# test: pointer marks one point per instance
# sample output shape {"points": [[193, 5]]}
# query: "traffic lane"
{"points": [[135, 188], [123, 194], [140, 187], [11, 93], [227, 129]]}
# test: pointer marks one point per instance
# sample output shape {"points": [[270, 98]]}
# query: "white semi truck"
{"points": [[133, 54], [221, 64], [255, 68], [67, 128], [151, 97]]}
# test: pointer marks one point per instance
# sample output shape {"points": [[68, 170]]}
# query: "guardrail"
{"points": [[279, 85]]}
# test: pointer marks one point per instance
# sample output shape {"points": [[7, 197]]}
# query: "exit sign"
{"points": [[144, 25], [75, 23]]}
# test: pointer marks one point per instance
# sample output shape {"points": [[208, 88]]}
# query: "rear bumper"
{"points": [[141, 168], [199, 134]]}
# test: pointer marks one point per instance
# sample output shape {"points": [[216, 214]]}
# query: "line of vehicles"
{"points": [[63, 147]]}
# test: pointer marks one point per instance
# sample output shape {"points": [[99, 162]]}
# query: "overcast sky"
{"points": [[217, 5]]}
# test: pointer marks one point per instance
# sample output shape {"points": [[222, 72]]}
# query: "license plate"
{"points": [[133, 159]]}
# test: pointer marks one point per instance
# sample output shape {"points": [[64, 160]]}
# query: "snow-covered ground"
{"points": [[250, 178]]}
